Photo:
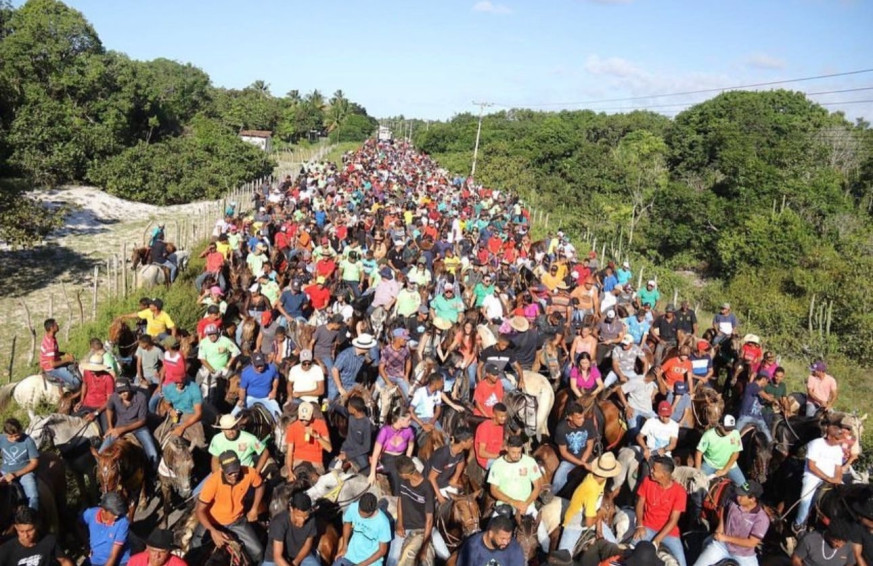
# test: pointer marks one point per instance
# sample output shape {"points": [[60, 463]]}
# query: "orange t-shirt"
{"points": [[306, 451], [488, 395], [676, 370], [225, 501]]}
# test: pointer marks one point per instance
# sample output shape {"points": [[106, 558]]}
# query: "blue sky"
{"points": [[432, 59]]}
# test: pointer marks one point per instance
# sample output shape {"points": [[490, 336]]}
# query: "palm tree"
{"points": [[336, 114], [294, 97], [338, 96], [261, 87], [316, 99]]}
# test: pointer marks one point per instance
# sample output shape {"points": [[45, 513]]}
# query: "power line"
{"points": [[689, 92]]}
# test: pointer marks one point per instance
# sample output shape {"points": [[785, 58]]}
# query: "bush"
{"points": [[203, 164]]}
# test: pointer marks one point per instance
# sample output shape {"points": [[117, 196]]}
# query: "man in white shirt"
{"points": [[658, 437], [492, 308], [824, 463], [305, 380]]}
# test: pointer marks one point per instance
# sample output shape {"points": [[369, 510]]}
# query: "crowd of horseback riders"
{"points": [[390, 370]]}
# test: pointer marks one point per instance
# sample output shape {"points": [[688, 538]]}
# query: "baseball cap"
{"points": [[216, 290], [610, 314], [627, 339], [725, 305], [819, 366], [211, 329], [650, 283], [213, 309], [259, 360], [670, 308], [491, 369], [123, 385], [400, 333], [680, 388], [229, 461], [703, 345], [729, 421], [665, 409], [751, 488], [305, 355]]}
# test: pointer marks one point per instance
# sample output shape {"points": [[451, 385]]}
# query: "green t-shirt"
{"points": [[271, 290], [717, 450], [217, 353], [481, 291], [775, 391], [515, 479], [246, 446], [650, 297], [447, 309], [351, 270], [408, 302]]}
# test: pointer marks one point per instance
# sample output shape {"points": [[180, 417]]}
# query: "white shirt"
{"points": [[658, 434], [493, 307], [425, 403], [825, 456], [306, 380], [639, 394], [607, 302]]}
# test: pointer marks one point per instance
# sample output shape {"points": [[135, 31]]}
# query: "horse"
{"points": [[756, 455], [123, 342], [249, 333], [343, 489], [430, 442], [458, 519], [338, 419], [548, 461], [52, 488], [30, 392], [174, 470], [707, 406], [521, 410], [121, 467], [538, 386], [73, 437]]}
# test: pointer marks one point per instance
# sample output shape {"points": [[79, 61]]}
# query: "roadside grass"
{"points": [[335, 155]]}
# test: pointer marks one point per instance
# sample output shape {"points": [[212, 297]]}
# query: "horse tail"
{"points": [[6, 394]]}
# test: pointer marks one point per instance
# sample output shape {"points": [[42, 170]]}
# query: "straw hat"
{"points": [[606, 466], [519, 324], [94, 363], [442, 323], [226, 422]]}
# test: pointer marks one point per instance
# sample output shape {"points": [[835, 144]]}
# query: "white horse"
{"points": [[346, 488], [30, 392], [538, 386], [150, 276], [61, 428]]}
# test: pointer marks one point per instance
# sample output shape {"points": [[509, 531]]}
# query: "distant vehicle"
{"points": [[385, 133]]}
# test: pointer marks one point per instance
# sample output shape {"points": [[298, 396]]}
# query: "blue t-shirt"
{"points": [[700, 364], [185, 399], [104, 537], [636, 328], [751, 405], [609, 283], [367, 533], [293, 303], [623, 275], [258, 385], [16, 455], [475, 553]]}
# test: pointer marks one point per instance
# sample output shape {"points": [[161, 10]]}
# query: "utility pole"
{"points": [[482, 106]]}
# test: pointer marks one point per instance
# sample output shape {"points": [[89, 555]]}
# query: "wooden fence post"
{"points": [[108, 279], [12, 357], [30, 329], [115, 274], [81, 309], [94, 298], [69, 310], [123, 269]]}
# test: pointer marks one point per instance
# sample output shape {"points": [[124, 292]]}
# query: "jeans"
{"points": [[145, 438], [807, 493], [559, 480], [639, 417], [310, 560], [28, 485], [471, 374], [398, 381], [404, 549], [735, 474], [612, 378], [714, 552], [343, 561], [508, 385], [759, 423], [198, 283], [243, 531], [572, 533], [154, 401], [673, 544], [811, 409], [64, 375], [353, 286], [171, 266], [270, 404]]}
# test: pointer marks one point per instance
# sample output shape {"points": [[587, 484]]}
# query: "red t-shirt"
{"points": [[283, 240], [325, 267], [203, 323], [100, 385], [676, 370], [214, 262], [142, 559], [487, 395], [491, 435], [306, 451], [48, 352], [660, 503], [319, 298], [174, 368]]}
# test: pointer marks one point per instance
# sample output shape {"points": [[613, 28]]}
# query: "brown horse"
{"points": [[121, 468], [459, 518], [547, 458], [707, 406], [174, 471], [608, 418]]}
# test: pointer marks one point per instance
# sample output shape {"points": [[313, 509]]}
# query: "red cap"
{"points": [[703, 345], [665, 409]]}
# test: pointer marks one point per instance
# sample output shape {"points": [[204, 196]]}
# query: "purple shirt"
{"points": [[393, 440], [394, 360], [742, 524]]}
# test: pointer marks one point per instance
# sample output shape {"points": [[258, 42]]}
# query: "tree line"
{"points": [[154, 131], [766, 196]]}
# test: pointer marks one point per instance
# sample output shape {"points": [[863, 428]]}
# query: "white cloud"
{"points": [[489, 7], [764, 61], [614, 66]]}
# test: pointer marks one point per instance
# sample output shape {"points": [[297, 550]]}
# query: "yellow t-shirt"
{"points": [[156, 325], [587, 496], [452, 264], [224, 249]]}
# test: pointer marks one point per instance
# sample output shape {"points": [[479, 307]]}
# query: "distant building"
{"points": [[384, 133], [261, 138]]}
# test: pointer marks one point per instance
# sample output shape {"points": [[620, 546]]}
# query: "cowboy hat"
{"points": [[226, 422], [606, 466], [94, 363], [752, 338], [519, 324], [364, 342], [442, 323]]}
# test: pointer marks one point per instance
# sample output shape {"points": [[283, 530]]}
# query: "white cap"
{"points": [[626, 264], [610, 314], [729, 421], [651, 282]]}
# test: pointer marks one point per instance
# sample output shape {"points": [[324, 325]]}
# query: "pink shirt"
{"points": [[582, 382], [821, 388]]}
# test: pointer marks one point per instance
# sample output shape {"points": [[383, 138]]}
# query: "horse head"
{"points": [[109, 467], [177, 463], [465, 512]]}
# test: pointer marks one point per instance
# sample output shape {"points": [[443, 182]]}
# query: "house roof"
{"points": [[256, 133]]}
